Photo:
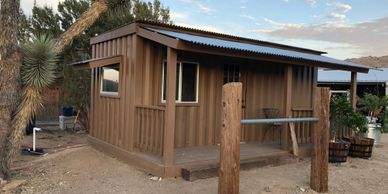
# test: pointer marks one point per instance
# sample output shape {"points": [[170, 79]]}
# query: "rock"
{"points": [[267, 189], [2, 182], [154, 178], [13, 185], [302, 189]]}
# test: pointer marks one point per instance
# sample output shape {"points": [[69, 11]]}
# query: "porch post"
{"points": [[169, 123], [386, 88], [287, 104], [353, 89]]}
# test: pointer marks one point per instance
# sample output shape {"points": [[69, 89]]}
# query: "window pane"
{"points": [[189, 82], [165, 81], [231, 73], [110, 81]]}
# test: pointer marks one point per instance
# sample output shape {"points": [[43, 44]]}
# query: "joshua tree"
{"points": [[33, 79], [9, 66]]}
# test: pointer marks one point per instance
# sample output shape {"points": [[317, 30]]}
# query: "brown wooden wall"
{"points": [[196, 124], [110, 118]]}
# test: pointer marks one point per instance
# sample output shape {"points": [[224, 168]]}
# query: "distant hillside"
{"points": [[371, 61]]}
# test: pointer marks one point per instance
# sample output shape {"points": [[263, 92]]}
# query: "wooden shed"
{"points": [[156, 94]]}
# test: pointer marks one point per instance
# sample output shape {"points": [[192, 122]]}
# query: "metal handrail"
{"points": [[280, 120]]}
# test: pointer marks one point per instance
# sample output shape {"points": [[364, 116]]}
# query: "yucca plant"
{"points": [[37, 71], [39, 62], [35, 79]]}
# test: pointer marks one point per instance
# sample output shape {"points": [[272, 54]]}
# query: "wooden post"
{"points": [[295, 148], [320, 140], [353, 89], [169, 124], [287, 104], [229, 173]]}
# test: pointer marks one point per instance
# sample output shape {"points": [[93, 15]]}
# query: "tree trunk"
{"points": [[86, 20], [9, 68], [31, 95]]}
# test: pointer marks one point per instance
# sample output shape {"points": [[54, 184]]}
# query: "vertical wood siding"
{"points": [[196, 124], [109, 118]]}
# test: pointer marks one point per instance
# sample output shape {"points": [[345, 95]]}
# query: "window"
{"points": [[110, 79], [187, 82], [231, 73]]}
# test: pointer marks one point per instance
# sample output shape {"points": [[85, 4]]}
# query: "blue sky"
{"points": [[343, 28]]}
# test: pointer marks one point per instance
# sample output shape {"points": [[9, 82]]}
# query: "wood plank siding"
{"points": [[115, 120]]}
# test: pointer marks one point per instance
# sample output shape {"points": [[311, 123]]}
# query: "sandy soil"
{"points": [[51, 140], [85, 170]]}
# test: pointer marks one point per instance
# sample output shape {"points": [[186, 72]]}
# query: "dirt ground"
{"points": [[85, 170]]}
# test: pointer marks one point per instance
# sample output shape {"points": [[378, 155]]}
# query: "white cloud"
{"points": [[340, 6], [312, 3], [337, 16], [243, 7], [204, 9], [178, 16], [279, 25], [367, 38], [201, 7], [286, 1], [27, 5], [264, 31], [344, 7], [247, 16], [201, 27]]}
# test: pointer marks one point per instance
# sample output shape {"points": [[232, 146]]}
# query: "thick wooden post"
{"points": [[229, 174], [320, 140], [287, 104], [353, 89], [169, 124]]}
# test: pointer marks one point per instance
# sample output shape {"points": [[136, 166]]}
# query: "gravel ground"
{"points": [[85, 170]]}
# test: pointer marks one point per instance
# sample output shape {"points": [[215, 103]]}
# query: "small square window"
{"points": [[110, 79]]}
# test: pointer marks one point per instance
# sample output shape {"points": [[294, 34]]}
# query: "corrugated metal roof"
{"points": [[344, 76], [253, 48]]}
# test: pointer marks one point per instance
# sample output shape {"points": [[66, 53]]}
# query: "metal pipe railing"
{"points": [[280, 120]]}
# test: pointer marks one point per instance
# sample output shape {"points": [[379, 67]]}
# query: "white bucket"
{"points": [[61, 122], [374, 133]]}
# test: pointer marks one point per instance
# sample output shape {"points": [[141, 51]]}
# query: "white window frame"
{"points": [[179, 100], [105, 93]]}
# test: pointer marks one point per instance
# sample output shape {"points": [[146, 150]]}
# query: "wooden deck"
{"points": [[252, 155]]}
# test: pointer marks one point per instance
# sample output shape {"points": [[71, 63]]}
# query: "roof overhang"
{"points": [[185, 45], [179, 38], [97, 62]]}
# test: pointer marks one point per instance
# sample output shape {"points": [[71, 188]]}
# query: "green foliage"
{"points": [[75, 87], [343, 115], [357, 121], [39, 59], [24, 28], [373, 104], [76, 83], [383, 119], [151, 11], [44, 21]]}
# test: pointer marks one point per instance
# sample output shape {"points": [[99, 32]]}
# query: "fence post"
{"points": [[229, 173], [320, 141]]}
